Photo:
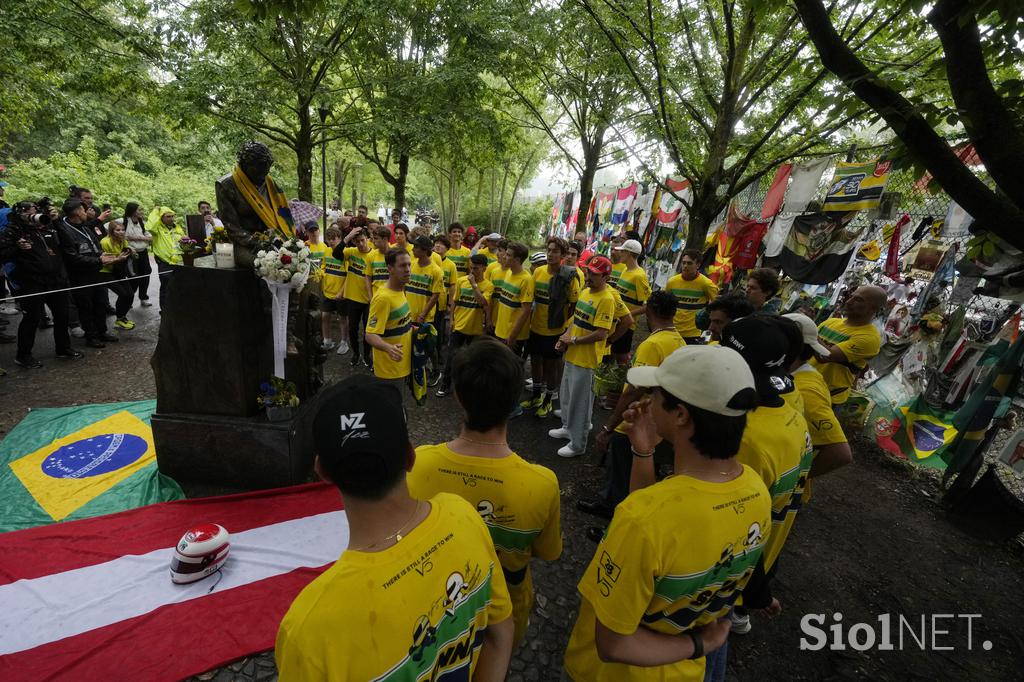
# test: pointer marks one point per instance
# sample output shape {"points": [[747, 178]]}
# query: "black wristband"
{"points": [[698, 644]]}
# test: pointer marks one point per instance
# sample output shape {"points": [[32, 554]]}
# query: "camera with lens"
{"points": [[29, 214]]}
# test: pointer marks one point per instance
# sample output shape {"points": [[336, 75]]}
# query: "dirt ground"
{"points": [[873, 541]]}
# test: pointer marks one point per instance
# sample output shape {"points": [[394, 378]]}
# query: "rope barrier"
{"points": [[83, 286]]}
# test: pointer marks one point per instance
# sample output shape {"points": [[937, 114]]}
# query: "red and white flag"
{"points": [[93, 599]]}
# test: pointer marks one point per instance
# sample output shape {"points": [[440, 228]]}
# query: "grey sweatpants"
{"points": [[576, 400]]}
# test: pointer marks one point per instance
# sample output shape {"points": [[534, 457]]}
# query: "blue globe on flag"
{"points": [[94, 456]]}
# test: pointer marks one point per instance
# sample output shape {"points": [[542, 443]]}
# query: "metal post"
{"points": [[324, 112]]}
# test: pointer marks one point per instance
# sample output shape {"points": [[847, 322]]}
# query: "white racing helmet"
{"points": [[202, 550]]}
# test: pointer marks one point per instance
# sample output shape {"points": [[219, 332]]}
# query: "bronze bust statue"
{"points": [[248, 202]]}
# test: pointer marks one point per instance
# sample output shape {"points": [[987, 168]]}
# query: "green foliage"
{"points": [[525, 225], [112, 180]]}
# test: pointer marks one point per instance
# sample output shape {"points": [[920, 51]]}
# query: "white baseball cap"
{"points": [[491, 236], [631, 245], [713, 378], [809, 330]]}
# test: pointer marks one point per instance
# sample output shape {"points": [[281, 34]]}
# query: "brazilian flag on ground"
{"points": [[75, 462], [920, 433]]}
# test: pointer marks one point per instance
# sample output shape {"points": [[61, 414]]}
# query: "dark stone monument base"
{"points": [[247, 453]]}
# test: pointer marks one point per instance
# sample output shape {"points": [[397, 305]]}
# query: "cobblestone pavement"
{"points": [[873, 541]]}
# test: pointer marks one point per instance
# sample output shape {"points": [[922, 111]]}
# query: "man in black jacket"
{"points": [[83, 258], [32, 244]]}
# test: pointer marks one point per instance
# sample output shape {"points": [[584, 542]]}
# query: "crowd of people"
{"points": [[727, 416], [73, 266]]}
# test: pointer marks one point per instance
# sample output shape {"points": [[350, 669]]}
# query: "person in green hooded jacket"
{"points": [[166, 249]]}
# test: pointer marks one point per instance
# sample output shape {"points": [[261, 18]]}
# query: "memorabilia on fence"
{"points": [[776, 192], [670, 208], [857, 186], [803, 185], [1013, 452], [622, 210], [819, 247]]}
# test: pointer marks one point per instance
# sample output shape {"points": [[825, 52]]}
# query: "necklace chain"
{"points": [[397, 535], [483, 442]]}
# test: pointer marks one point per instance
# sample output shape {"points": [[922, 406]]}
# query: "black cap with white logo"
{"points": [[764, 346], [360, 414]]}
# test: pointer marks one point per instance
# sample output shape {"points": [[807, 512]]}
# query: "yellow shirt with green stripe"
{"points": [[617, 270], [635, 288], [451, 275], [356, 265], [469, 314], [488, 254], [424, 282], [430, 599], [670, 577], [512, 293], [778, 448], [653, 350], [390, 319], [333, 283], [317, 251], [593, 311], [378, 268], [539, 319], [859, 344], [692, 296], [460, 257]]}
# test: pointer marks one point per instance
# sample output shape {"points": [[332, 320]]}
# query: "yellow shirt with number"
{"points": [[424, 282], [859, 344], [635, 288], [519, 502], [593, 311], [460, 257], [451, 275], [777, 447], [539, 316], [669, 576], [357, 264], [414, 611], [389, 317], [692, 296], [469, 314], [512, 293], [653, 350]]}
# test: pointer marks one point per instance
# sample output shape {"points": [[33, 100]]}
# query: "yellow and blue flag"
{"points": [[77, 462]]}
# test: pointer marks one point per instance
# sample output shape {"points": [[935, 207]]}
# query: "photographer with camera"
{"points": [[83, 258], [32, 244]]}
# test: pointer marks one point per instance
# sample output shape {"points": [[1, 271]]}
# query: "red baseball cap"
{"points": [[599, 265]]}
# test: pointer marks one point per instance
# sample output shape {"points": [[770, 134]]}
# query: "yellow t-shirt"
{"points": [[488, 254], [777, 447], [512, 293], [378, 269], [333, 283], [692, 296], [653, 350], [469, 314], [423, 283], [451, 275], [389, 318], [460, 257], [669, 576], [110, 248], [357, 264], [539, 316], [635, 289], [821, 419], [317, 251], [794, 399], [593, 311], [411, 612], [617, 270], [859, 344], [494, 272]]}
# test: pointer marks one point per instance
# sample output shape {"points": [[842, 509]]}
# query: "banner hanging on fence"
{"points": [[623, 204], [819, 248], [857, 186]]}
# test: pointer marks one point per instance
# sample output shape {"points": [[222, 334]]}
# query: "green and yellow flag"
{"points": [[857, 186]]}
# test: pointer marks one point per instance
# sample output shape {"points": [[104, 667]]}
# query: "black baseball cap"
{"points": [[360, 415], [425, 243], [763, 344]]}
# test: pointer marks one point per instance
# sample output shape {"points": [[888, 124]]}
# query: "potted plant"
{"points": [[189, 247], [278, 398], [219, 244]]}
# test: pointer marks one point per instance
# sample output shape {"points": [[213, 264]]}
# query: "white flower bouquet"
{"points": [[287, 264]]}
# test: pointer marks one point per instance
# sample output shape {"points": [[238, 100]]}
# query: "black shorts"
{"points": [[520, 347], [331, 305], [623, 344], [541, 345]]}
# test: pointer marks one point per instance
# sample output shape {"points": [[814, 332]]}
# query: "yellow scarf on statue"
{"points": [[275, 214]]}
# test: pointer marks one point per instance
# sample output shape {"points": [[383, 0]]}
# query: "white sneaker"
{"points": [[740, 624], [328, 344], [567, 452], [529, 384], [560, 433], [342, 347], [8, 309], [77, 332]]}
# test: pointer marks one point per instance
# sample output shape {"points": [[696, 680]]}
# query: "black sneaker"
{"points": [[95, 343], [69, 354], [355, 360], [109, 338], [28, 361]]}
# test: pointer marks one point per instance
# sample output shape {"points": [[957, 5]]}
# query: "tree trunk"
{"points": [[400, 181], [591, 158], [341, 169], [304, 155], [704, 208], [990, 209]]}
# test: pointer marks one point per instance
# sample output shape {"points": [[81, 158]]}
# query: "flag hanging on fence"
{"points": [[776, 192], [77, 462], [605, 201], [857, 186], [556, 214], [818, 248], [623, 204], [803, 185], [670, 208], [93, 599]]}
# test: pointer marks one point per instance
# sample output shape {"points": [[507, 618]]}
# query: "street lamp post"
{"points": [[324, 111]]}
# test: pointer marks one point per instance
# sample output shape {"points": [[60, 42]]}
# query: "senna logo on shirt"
{"points": [[607, 574], [372, 322]]}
